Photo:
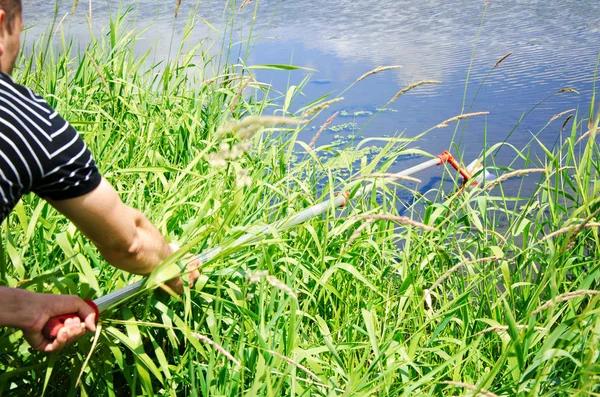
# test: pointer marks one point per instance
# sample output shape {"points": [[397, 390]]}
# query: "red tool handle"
{"points": [[55, 324]]}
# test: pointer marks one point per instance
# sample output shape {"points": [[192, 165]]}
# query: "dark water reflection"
{"points": [[554, 44]]}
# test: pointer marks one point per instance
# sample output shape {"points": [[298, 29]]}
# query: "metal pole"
{"points": [[340, 200]]}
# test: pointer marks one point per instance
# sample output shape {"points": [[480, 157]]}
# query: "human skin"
{"points": [[123, 235]]}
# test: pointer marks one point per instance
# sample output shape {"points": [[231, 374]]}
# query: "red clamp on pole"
{"points": [[346, 196], [444, 157], [449, 158], [56, 323]]}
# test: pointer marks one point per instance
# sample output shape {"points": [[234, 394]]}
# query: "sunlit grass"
{"points": [[349, 303]]}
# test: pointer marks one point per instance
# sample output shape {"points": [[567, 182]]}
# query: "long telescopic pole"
{"points": [[107, 301]]}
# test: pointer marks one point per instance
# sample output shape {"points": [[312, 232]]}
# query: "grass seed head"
{"points": [[216, 346], [559, 115], [358, 231], [457, 266], [504, 328], [245, 3], [296, 364], [378, 69], [255, 277], [243, 178], [227, 153], [410, 87], [323, 127], [388, 175], [216, 160], [501, 60], [445, 123], [513, 174], [247, 127], [320, 106], [398, 219], [481, 391], [276, 283], [568, 89], [581, 138], [568, 229], [565, 297]]}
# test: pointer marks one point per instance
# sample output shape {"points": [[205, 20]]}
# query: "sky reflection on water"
{"points": [[554, 44]]}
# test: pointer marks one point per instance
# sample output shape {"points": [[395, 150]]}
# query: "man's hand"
{"points": [[44, 306], [124, 236], [30, 312], [192, 272]]}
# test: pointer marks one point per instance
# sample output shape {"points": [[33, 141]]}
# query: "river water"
{"points": [[554, 44]]}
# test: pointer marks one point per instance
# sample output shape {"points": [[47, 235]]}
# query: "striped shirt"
{"points": [[39, 151]]}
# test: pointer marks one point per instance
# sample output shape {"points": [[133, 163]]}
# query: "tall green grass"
{"points": [[349, 303]]}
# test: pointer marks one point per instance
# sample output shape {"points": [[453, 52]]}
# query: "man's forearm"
{"points": [[13, 308], [124, 236], [146, 250]]}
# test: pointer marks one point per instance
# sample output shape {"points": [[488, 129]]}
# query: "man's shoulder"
{"points": [[22, 95], [20, 106], [41, 151]]}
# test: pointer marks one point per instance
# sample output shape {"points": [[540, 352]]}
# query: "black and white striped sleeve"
{"points": [[72, 171], [39, 151]]}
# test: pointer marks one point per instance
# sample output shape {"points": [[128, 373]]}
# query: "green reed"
{"points": [[486, 304]]}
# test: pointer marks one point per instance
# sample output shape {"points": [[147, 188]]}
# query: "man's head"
{"points": [[11, 25]]}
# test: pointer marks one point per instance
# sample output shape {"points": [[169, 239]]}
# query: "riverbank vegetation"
{"points": [[494, 293]]}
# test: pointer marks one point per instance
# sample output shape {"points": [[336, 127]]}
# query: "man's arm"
{"points": [[123, 235]]}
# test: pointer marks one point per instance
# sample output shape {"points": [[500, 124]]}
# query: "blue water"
{"points": [[554, 44]]}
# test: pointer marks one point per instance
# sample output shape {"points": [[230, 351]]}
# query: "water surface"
{"points": [[554, 44]]}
